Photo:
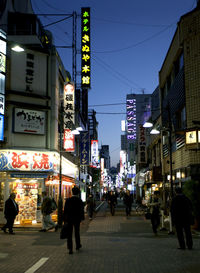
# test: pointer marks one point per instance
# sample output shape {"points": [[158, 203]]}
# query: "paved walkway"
{"points": [[111, 244]]}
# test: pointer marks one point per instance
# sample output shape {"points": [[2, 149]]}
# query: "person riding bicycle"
{"points": [[112, 201]]}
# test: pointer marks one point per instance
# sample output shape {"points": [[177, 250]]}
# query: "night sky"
{"points": [[129, 41]]}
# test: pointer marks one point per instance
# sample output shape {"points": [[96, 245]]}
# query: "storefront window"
{"points": [[28, 196]]}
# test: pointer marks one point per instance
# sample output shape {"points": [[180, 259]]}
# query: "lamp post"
{"points": [[60, 201]]}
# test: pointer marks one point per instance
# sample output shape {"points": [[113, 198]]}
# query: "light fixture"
{"points": [[148, 124], [17, 48], [79, 129], [154, 131], [75, 132]]}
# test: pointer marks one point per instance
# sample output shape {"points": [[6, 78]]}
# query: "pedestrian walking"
{"points": [[47, 208], [182, 218], [10, 211], [155, 203], [73, 215], [112, 201], [128, 200], [90, 203]]}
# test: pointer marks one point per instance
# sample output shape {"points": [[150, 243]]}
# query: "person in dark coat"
{"points": [[181, 211], [90, 206], [155, 203], [73, 215], [11, 210], [128, 200], [112, 201]]}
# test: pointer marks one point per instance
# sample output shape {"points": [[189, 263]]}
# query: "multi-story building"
{"points": [[179, 83], [31, 151]]}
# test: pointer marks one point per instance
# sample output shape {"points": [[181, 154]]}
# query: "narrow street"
{"points": [[111, 244]]}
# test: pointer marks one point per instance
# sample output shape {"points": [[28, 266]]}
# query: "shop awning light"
{"points": [[17, 48]]}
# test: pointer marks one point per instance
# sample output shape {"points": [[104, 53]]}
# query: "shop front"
{"points": [[28, 174], [25, 172]]}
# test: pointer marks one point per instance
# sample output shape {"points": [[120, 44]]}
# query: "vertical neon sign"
{"points": [[85, 48], [131, 118], [69, 117], [2, 81]]}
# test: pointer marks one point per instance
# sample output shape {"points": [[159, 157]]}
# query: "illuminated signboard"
{"points": [[69, 117], [94, 154], [131, 119], [2, 81], [15, 160], [84, 148], [1, 127], [85, 48], [142, 145]]}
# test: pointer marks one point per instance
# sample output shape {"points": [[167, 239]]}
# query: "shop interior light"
{"points": [[17, 48]]}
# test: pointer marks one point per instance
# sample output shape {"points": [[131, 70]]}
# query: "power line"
{"points": [[122, 77], [134, 45], [108, 104], [111, 72], [128, 23], [61, 20]]}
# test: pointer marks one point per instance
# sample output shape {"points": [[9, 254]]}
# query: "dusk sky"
{"points": [[129, 41]]}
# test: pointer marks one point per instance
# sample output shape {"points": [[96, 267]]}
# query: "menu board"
{"points": [[26, 197]]}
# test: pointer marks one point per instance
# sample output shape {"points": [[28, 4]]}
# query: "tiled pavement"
{"points": [[111, 244]]}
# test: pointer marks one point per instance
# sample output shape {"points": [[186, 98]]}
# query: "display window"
{"points": [[28, 197], [2, 190]]}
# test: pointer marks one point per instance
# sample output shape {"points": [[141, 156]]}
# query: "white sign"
{"points": [[29, 121]]}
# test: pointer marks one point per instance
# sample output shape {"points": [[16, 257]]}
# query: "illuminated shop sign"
{"points": [[192, 137], [29, 121], [69, 117], [142, 145], [84, 149], [14, 160], [1, 127], [3, 45], [94, 154], [131, 118], [85, 48], [122, 161]]}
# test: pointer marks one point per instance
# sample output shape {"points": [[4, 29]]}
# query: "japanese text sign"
{"points": [[84, 149], [85, 48], [14, 160]]}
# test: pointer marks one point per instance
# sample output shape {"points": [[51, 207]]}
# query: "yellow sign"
{"points": [[191, 137]]}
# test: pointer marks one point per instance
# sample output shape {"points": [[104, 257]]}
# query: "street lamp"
{"points": [[169, 131]]}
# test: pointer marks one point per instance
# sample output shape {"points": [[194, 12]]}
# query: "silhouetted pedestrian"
{"points": [[73, 215], [154, 205], [11, 210], [128, 200], [182, 218], [90, 206]]}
